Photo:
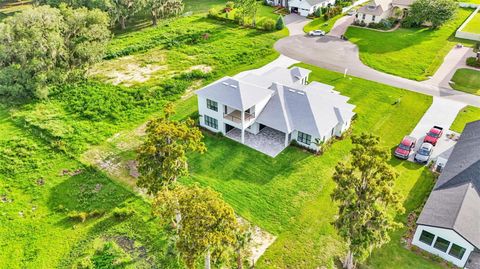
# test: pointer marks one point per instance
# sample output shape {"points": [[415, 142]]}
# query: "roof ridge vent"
{"points": [[233, 86], [301, 93], [291, 90], [225, 83]]}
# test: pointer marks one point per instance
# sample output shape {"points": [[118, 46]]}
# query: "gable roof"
{"points": [[285, 76], [455, 199], [313, 110], [235, 93]]}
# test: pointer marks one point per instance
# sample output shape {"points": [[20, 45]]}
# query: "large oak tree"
{"points": [[42, 47], [366, 198], [208, 225], [162, 158]]}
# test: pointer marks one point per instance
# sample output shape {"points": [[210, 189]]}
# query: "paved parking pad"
{"points": [[441, 113]]}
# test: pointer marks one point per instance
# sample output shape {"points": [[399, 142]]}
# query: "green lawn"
{"points": [[474, 25], [290, 194], [181, 59], [321, 24], [466, 115], [36, 231], [467, 80], [410, 53], [202, 6]]}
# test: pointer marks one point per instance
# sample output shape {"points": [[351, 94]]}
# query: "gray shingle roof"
{"points": [[455, 200], [315, 109], [235, 93]]}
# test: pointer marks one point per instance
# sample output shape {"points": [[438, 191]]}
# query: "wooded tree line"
{"points": [[56, 41], [121, 10]]}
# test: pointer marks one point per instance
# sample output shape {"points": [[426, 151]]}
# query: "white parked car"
{"points": [[423, 154], [316, 33]]}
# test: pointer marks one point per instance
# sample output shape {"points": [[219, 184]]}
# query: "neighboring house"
{"points": [[267, 112], [302, 7], [449, 224], [377, 10]]}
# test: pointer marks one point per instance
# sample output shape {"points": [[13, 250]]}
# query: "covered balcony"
{"points": [[236, 116]]}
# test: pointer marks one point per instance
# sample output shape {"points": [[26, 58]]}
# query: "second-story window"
{"points": [[212, 105]]}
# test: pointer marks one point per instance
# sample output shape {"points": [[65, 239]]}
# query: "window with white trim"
{"points": [[304, 138], [211, 122], [441, 244], [457, 251], [212, 105], [427, 237]]}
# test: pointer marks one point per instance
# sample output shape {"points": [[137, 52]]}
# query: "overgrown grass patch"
{"points": [[466, 115], [290, 195], [41, 189], [410, 53]]}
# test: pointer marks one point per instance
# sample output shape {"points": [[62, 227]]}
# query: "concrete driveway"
{"points": [[295, 24], [341, 26], [441, 113]]}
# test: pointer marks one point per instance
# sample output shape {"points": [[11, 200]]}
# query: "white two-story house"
{"points": [[268, 111]]}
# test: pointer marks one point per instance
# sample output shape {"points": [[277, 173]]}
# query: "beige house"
{"points": [[378, 10]]}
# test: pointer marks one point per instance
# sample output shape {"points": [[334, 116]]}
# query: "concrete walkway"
{"points": [[454, 60], [441, 113], [341, 26]]}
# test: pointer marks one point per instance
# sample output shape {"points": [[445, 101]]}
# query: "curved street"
{"points": [[330, 52]]}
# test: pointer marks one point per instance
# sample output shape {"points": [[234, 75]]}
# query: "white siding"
{"points": [[446, 234], [218, 115]]}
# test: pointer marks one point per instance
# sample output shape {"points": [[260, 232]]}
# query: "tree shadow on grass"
{"points": [[87, 191]]}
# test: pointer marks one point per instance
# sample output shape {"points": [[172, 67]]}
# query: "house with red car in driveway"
{"points": [[449, 224]]}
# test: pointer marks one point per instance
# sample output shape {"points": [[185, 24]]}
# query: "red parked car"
{"points": [[433, 135], [405, 148]]}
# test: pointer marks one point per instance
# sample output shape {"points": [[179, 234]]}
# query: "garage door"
{"points": [[303, 12]]}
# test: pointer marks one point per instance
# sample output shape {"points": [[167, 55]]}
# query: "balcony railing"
{"points": [[236, 116]]}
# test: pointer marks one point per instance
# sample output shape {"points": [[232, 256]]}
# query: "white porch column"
{"points": [[286, 140], [243, 126]]}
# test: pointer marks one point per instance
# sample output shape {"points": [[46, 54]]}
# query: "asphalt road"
{"points": [[332, 53]]}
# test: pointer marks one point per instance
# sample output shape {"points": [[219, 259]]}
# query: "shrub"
{"points": [[280, 23], [78, 216], [318, 12], [83, 216], [213, 12], [473, 61], [122, 213], [230, 5], [268, 24]]}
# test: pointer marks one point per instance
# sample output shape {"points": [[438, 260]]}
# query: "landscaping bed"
{"points": [[321, 24], [467, 80], [413, 53]]}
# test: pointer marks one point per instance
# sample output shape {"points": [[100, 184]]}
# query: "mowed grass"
{"points": [[474, 25], [410, 53], [321, 24], [467, 80], [290, 195], [466, 115], [37, 198]]}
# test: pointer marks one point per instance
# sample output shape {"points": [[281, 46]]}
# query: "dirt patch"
{"points": [[132, 73], [202, 67], [128, 70], [259, 243]]}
